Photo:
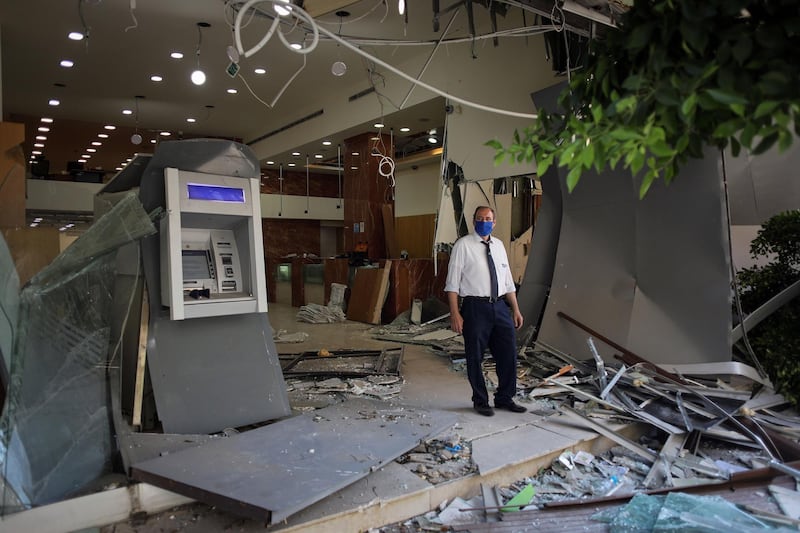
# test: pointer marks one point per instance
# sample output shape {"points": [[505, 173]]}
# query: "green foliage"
{"points": [[678, 75], [776, 340]]}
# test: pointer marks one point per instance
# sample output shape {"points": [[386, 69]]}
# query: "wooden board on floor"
{"points": [[368, 294]]}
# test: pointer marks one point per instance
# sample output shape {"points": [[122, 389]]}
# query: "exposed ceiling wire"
{"points": [[299, 13]]}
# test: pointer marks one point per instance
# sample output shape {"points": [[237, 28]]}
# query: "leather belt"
{"points": [[485, 298]]}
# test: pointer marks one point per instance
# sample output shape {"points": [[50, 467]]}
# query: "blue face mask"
{"points": [[483, 227]]}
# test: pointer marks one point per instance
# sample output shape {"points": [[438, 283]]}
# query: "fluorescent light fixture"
{"points": [[53, 102], [156, 77], [176, 55], [405, 129], [67, 63], [260, 70], [47, 120], [109, 127], [283, 11], [232, 91], [76, 36]]}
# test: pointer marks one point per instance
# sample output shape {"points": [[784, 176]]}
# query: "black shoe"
{"points": [[511, 406], [485, 410]]}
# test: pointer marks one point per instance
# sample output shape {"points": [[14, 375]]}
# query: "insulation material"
{"points": [[56, 430]]}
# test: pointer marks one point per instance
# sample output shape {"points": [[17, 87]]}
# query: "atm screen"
{"points": [[215, 193], [195, 265]]}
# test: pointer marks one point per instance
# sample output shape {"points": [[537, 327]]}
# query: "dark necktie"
{"points": [[492, 271]]}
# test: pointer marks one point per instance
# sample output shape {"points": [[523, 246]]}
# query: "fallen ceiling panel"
{"points": [[274, 471]]}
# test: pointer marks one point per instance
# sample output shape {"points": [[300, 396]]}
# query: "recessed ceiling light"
{"points": [[152, 141], [33, 225], [260, 70], [54, 102], [190, 119], [156, 77], [282, 11], [232, 91], [317, 156], [118, 168], [353, 168], [296, 46], [36, 152], [270, 162], [41, 138], [292, 164], [127, 112], [355, 153], [38, 145], [67, 63], [47, 120], [165, 133], [86, 156], [38, 219], [97, 143], [432, 140], [405, 129], [44, 129], [129, 160], [326, 143], [176, 55], [296, 154], [109, 127], [75, 35], [103, 135], [376, 138], [379, 125], [91, 150]]}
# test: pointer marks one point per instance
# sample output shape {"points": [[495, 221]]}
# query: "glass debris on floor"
{"points": [[701, 427], [441, 459]]}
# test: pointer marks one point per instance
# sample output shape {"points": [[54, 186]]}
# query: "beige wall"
{"points": [[417, 191]]}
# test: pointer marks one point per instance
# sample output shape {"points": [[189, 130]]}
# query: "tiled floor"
{"points": [[506, 447]]}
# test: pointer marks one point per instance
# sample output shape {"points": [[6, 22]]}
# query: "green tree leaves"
{"points": [[677, 75]]}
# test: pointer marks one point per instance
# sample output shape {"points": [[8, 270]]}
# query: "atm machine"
{"points": [[212, 260], [211, 357]]}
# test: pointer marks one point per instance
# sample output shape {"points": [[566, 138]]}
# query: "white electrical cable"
{"points": [[317, 29]]}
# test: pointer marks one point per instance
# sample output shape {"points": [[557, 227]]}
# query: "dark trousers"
{"points": [[489, 324]]}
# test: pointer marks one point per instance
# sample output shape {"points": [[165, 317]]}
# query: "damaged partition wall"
{"points": [[653, 275], [56, 429]]}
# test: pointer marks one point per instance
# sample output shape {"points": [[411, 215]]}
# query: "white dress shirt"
{"points": [[468, 272]]}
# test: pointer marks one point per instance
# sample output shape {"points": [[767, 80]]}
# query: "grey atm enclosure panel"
{"points": [[212, 260]]}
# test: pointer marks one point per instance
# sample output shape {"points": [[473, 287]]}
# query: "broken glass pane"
{"points": [[55, 431]]}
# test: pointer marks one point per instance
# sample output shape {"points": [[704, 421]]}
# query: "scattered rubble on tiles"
{"points": [[282, 336], [320, 314], [440, 460]]}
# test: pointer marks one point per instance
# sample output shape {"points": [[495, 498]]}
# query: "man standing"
{"points": [[480, 274]]}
